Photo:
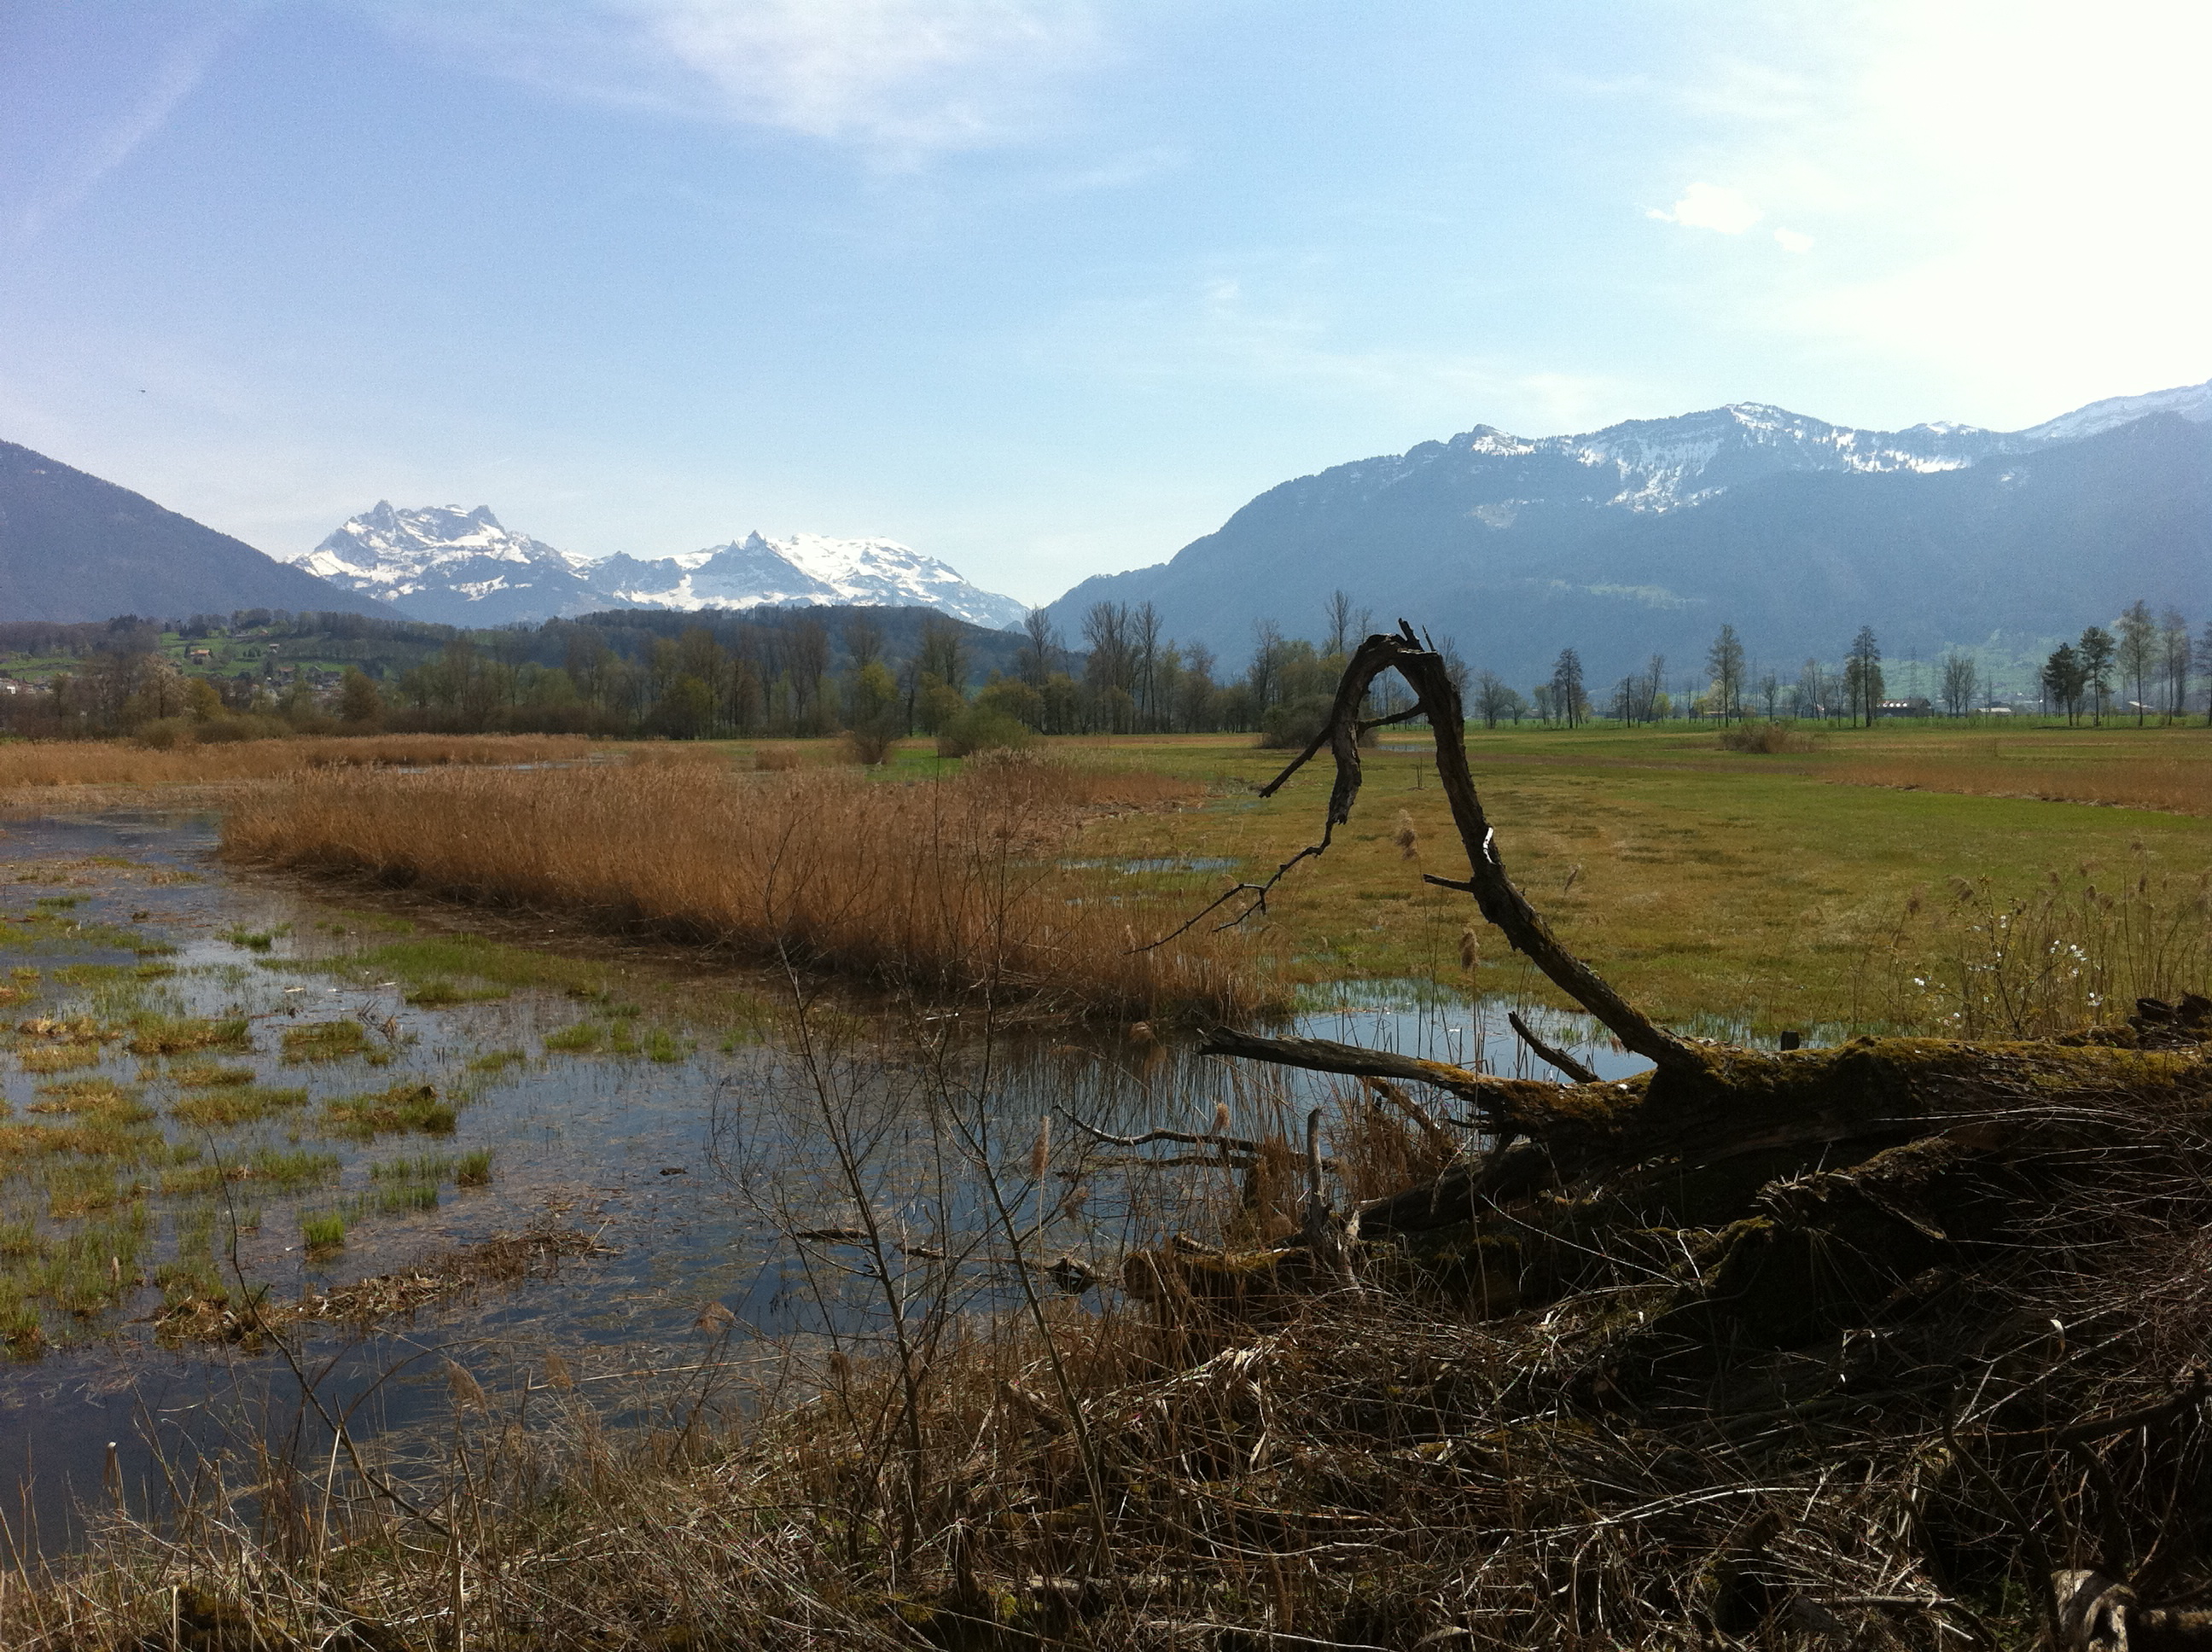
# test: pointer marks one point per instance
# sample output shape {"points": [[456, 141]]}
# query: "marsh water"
{"points": [[209, 1066]]}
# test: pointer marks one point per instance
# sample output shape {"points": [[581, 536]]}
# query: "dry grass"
{"points": [[2176, 783], [941, 887], [109, 762], [2080, 949]]}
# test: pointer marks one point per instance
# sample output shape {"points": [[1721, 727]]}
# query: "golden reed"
{"points": [[954, 887], [119, 762]]}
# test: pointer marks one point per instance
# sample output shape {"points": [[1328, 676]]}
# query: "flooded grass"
{"points": [[233, 1105], [401, 1107], [157, 1035], [330, 1041]]}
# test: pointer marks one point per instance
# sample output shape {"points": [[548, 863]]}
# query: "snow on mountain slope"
{"points": [[441, 562], [1663, 464], [2191, 402], [462, 566]]}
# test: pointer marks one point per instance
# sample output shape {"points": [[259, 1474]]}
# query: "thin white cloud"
{"points": [[1711, 206], [902, 77], [179, 73], [1793, 240]]}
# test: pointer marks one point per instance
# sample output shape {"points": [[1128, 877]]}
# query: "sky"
{"points": [[1048, 288]]}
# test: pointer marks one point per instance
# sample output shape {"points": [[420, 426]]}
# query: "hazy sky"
{"points": [[1040, 286]]}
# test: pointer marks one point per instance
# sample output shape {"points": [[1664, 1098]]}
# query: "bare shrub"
{"points": [[871, 748], [1769, 738]]}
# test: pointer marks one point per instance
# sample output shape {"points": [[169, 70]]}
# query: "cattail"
{"points": [[468, 1392], [557, 1372], [1470, 948], [1408, 840], [1040, 1150], [1221, 1117]]}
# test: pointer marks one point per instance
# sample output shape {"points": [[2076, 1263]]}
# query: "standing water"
{"points": [[425, 1152]]}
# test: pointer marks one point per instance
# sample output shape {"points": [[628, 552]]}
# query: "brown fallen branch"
{"points": [[1423, 1120], [1549, 1053], [1352, 1060]]}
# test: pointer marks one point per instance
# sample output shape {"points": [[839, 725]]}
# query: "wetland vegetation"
{"points": [[876, 1380]]}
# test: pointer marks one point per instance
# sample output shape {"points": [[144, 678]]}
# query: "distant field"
{"points": [[1703, 883]]}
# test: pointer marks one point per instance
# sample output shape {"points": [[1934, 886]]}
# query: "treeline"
{"points": [[2145, 666], [878, 673]]}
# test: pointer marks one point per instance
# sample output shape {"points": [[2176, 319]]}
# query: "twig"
{"points": [[1550, 1053]]}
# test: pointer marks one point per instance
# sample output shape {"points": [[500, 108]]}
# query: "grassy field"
{"points": [[1795, 890], [1703, 883]]}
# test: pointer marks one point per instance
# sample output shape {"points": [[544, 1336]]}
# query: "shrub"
{"points": [[1769, 738], [166, 734], [870, 746], [979, 728], [1292, 726]]}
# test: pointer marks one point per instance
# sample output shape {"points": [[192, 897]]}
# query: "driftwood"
{"points": [[1826, 1245]]}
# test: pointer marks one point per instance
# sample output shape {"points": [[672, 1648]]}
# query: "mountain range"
{"points": [[1647, 536], [73, 547], [463, 567]]}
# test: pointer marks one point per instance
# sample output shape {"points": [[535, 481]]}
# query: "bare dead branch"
{"points": [[1549, 1053], [1495, 894]]}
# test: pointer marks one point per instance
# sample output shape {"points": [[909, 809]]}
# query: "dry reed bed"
{"points": [[114, 762], [950, 887], [2171, 785]]}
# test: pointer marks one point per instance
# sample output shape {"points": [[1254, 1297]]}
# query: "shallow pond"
{"points": [[207, 1070]]}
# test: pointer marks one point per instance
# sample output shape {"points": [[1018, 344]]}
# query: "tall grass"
{"points": [[1974, 961], [950, 887], [103, 763]]}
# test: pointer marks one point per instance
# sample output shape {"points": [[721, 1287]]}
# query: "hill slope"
{"points": [[73, 547], [1647, 536]]}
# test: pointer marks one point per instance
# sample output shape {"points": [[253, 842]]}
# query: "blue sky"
{"points": [[1048, 288]]}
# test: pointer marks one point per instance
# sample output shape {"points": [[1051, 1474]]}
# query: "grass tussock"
{"points": [[102, 762], [328, 1041], [944, 887], [155, 1035], [231, 1105], [405, 1106]]}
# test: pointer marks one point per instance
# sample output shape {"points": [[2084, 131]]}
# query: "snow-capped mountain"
{"points": [[805, 568], [1645, 535], [461, 567]]}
